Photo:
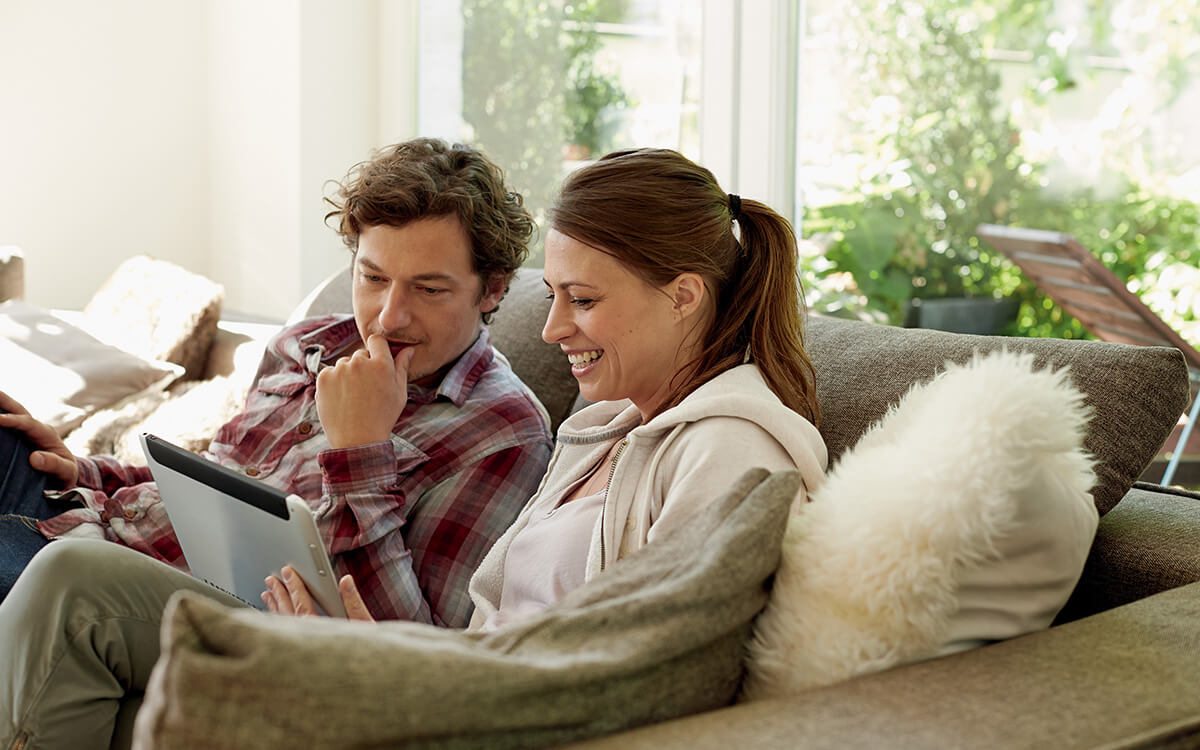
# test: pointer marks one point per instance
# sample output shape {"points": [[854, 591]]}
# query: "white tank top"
{"points": [[546, 559]]}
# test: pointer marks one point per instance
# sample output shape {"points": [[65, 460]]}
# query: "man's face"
{"points": [[414, 285]]}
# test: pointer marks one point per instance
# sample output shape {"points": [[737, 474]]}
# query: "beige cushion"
{"points": [[660, 634], [1137, 392], [157, 310], [962, 518], [61, 374]]}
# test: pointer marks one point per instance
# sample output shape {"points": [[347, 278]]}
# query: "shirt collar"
{"points": [[324, 345]]}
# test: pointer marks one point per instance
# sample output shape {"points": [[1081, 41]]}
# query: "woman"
{"points": [[679, 310]]}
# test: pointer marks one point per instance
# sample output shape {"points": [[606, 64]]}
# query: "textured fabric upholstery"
{"points": [[1137, 392], [1149, 543], [1066, 687], [157, 310]]}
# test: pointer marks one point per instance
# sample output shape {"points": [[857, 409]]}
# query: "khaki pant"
{"points": [[78, 638]]}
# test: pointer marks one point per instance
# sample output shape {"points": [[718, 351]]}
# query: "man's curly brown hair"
{"points": [[427, 177]]}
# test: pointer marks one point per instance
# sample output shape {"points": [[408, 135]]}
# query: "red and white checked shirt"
{"points": [[409, 519]]}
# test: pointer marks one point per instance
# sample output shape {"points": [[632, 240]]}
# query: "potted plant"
{"points": [[946, 160]]}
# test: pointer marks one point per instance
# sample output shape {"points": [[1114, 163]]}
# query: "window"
{"points": [[546, 86]]}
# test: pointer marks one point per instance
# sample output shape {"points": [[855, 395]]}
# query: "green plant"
{"points": [[592, 97], [941, 157], [530, 83]]}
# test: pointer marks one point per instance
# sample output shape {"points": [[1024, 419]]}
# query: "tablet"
{"points": [[235, 531]]}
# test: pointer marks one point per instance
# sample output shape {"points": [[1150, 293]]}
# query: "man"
{"points": [[413, 444]]}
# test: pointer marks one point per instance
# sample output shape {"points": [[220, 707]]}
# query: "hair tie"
{"points": [[735, 206]]}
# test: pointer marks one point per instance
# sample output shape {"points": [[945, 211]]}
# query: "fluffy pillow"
{"points": [[962, 517], [157, 310], [61, 374], [661, 634]]}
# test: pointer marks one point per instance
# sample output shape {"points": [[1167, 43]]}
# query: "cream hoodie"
{"points": [[668, 470]]}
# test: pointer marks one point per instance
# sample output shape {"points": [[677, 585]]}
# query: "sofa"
{"points": [[1120, 665]]}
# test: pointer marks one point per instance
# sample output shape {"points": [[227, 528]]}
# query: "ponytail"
{"points": [[760, 316]]}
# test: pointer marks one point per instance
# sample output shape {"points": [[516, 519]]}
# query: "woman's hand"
{"points": [[50, 455], [291, 597]]}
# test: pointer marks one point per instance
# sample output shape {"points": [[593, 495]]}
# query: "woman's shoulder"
{"points": [[738, 405]]}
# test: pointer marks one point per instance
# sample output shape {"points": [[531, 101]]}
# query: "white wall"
{"points": [[103, 141], [197, 132]]}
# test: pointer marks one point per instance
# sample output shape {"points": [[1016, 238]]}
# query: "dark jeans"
{"points": [[21, 506]]}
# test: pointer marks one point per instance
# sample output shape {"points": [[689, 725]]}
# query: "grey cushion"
{"points": [[660, 634], [516, 331], [1137, 392]]}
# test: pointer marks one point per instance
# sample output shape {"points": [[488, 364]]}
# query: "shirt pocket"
{"points": [[275, 405]]}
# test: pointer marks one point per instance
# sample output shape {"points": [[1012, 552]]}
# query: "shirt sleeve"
{"points": [[450, 528], [107, 474]]}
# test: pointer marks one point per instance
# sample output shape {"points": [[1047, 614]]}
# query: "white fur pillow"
{"points": [[961, 517]]}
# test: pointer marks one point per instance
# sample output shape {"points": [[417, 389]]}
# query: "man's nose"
{"points": [[396, 313]]}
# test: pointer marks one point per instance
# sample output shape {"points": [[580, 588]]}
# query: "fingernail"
{"points": [[287, 572]]}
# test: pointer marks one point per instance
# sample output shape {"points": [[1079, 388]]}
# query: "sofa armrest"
{"points": [[1144, 545]]}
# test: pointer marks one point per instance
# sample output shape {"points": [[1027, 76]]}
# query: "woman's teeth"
{"points": [[582, 358]]}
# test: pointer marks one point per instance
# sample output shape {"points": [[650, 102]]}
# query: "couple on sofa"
{"points": [[676, 304]]}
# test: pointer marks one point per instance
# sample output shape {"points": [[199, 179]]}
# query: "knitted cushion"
{"points": [[157, 310]]}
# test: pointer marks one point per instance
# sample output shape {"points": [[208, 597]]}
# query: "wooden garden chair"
{"points": [[1069, 274]]}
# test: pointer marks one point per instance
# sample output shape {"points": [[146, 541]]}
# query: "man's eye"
{"points": [[431, 291], [372, 278]]}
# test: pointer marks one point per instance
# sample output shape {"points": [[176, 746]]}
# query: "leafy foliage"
{"points": [[940, 155]]}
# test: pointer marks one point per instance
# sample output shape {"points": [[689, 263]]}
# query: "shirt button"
{"points": [[305, 428], [129, 513], [251, 471]]}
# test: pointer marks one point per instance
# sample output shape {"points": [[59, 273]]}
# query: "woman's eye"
{"points": [[582, 302]]}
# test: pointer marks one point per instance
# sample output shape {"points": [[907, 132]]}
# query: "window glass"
{"points": [[920, 121], [544, 86]]}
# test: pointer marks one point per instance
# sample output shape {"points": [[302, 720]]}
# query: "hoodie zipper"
{"points": [[612, 469]]}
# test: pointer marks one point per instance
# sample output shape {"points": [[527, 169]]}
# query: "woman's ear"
{"points": [[688, 291]]}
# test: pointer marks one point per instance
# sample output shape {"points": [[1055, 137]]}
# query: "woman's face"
{"points": [[623, 337]]}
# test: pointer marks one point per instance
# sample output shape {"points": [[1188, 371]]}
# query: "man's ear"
{"points": [[688, 291], [493, 290]]}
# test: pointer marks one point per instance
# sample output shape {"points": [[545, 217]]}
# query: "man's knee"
{"points": [[68, 569]]}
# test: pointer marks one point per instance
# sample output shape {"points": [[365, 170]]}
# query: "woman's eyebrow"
{"points": [[568, 284]]}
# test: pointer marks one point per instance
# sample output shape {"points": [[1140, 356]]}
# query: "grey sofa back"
{"points": [[1137, 393]]}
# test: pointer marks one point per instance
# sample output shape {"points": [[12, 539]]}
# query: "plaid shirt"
{"points": [[409, 519]]}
